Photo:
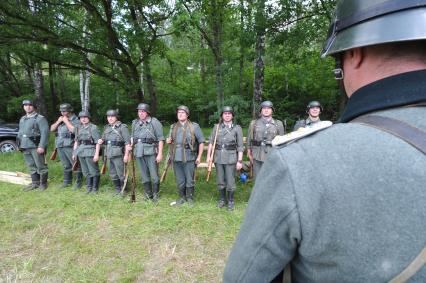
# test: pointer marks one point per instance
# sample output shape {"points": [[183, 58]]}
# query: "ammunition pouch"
{"points": [[231, 146], [86, 142]]}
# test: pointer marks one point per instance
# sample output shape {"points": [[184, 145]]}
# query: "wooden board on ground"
{"points": [[15, 177]]}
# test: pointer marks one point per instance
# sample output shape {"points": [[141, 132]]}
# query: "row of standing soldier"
{"points": [[78, 140]]}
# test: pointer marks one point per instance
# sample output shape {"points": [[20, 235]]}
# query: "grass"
{"points": [[68, 236]]}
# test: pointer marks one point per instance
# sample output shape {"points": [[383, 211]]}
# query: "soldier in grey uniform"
{"points": [[228, 155], [64, 142], [33, 137], [147, 139], [314, 110], [86, 137], [260, 134], [187, 141], [114, 138], [347, 204]]}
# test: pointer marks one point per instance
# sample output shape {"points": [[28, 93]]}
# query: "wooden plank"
{"points": [[15, 177]]}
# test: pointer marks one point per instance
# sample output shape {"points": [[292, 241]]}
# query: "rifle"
{"points": [[209, 168], [54, 153], [126, 176], [166, 166], [104, 160], [133, 198], [251, 170], [76, 164]]}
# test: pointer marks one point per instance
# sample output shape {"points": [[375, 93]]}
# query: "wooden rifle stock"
{"points": [[54, 153], [166, 167], [103, 168], [75, 165], [132, 160], [210, 165]]}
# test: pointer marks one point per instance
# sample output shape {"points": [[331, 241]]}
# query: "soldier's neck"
{"points": [[313, 119]]}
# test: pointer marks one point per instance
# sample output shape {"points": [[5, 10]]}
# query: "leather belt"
{"points": [[260, 143], [66, 135], [144, 140], [226, 146], [114, 143], [86, 142]]}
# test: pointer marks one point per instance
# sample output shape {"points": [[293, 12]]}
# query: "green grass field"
{"points": [[68, 236]]}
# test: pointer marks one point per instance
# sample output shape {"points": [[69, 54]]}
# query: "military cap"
{"points": [[267, 103], [112, 112], [65, 107], [184, 108], [84, 113], [313, 103], [227, 109], [27, 102]]}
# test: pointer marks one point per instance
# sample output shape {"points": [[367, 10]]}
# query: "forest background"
{"points": [[114, 54]]}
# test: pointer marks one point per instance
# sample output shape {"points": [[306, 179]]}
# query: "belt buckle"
{"points": [[139, 140], [24, 136], [223, 146], [109, 142], [262, 143]]}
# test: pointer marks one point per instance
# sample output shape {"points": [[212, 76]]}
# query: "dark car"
{"points": [[8, 134]]}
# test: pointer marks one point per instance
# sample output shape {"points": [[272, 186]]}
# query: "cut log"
{"points": [[15, 177]]}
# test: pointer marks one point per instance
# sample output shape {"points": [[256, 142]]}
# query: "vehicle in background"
{"points": [[8, 134]]}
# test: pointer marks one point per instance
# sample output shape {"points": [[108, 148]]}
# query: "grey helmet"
{"points": [[313, 103], [227, 109], [266, 103], [65, 107], [27, 102], [359, 23], [84, 113], [184, 108], [144, 106], [112, 112]]}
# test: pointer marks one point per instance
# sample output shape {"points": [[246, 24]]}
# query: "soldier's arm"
{"points": [[200, 138], [210, 140], [68, 123], [281, 128], [271, 231], [44, 133], [55, 125], [240, 144]]}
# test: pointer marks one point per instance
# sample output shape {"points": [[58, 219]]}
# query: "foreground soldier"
{"points": [[260, 134], [148, 140], [33, 137], [346, 204], [114, 138], [228, 155], [64, 142], [314, 110], [86, 137], [187, 142]]}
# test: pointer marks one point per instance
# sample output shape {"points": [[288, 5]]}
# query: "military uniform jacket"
{"points": [[33, 131], [65, 138], [115, 137], [260, 134], [346, 204], [305, 123], [87, 137], [186, 139], [228, 143], [146, 136]]}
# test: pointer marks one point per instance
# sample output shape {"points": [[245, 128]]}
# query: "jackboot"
{"points": [[148, 191], [230, 201], [43, 182], [95, 184], [155, 192], [35, 183], [79, 181], [117, 185], [182, 199], [89, 184], [222, 200], [190, 195], [67, 180]]}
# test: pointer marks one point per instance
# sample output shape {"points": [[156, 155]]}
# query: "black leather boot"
{"points": [[95, 184], [148, 191], [78, 181], [230, 201], [117, 185], [35, 183], [182, 197], [89, 184], [222, 200], [67, 180], [155, 192], [43, 182], [190, 195]]}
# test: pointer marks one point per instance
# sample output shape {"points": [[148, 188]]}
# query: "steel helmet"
{"points": [[266, 103], [144, 106], [184, 108], [65, 107], [227, 109], [313, 103], [84, 113], [359, 23], [112, 112]]}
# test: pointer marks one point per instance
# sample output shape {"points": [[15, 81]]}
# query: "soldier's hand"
{"points": [[60, 119], [96, 158], [159, 158], [126, 158], [40, 150], [65, 118], [198, 160], [239, 166], [100, 141], [128, 147], [208, 160], [169, 140], [73, 157]]}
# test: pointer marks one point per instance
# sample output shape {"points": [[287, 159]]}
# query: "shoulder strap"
{"points": [[410, 134], [411, 269], [191, 131]]}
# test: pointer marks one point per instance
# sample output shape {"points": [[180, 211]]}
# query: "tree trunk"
{"points": [[85, 90], [241, 71], [259, 66], [53, 94], [203, 74], [217, 50], [150, 85], [38, 82], [61, 83]]}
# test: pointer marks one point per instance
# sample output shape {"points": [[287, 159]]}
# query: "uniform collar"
{"points": [[403, 89], [147, 121], [115, 125], [32, 114]]}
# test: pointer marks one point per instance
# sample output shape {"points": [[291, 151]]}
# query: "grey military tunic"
{"points": [[186, 139], [64, 143], [87, 136], [305, 123], [115, 138], [34, 133], [229, 142], [146, 136], [346, 204], [260, 134]]}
